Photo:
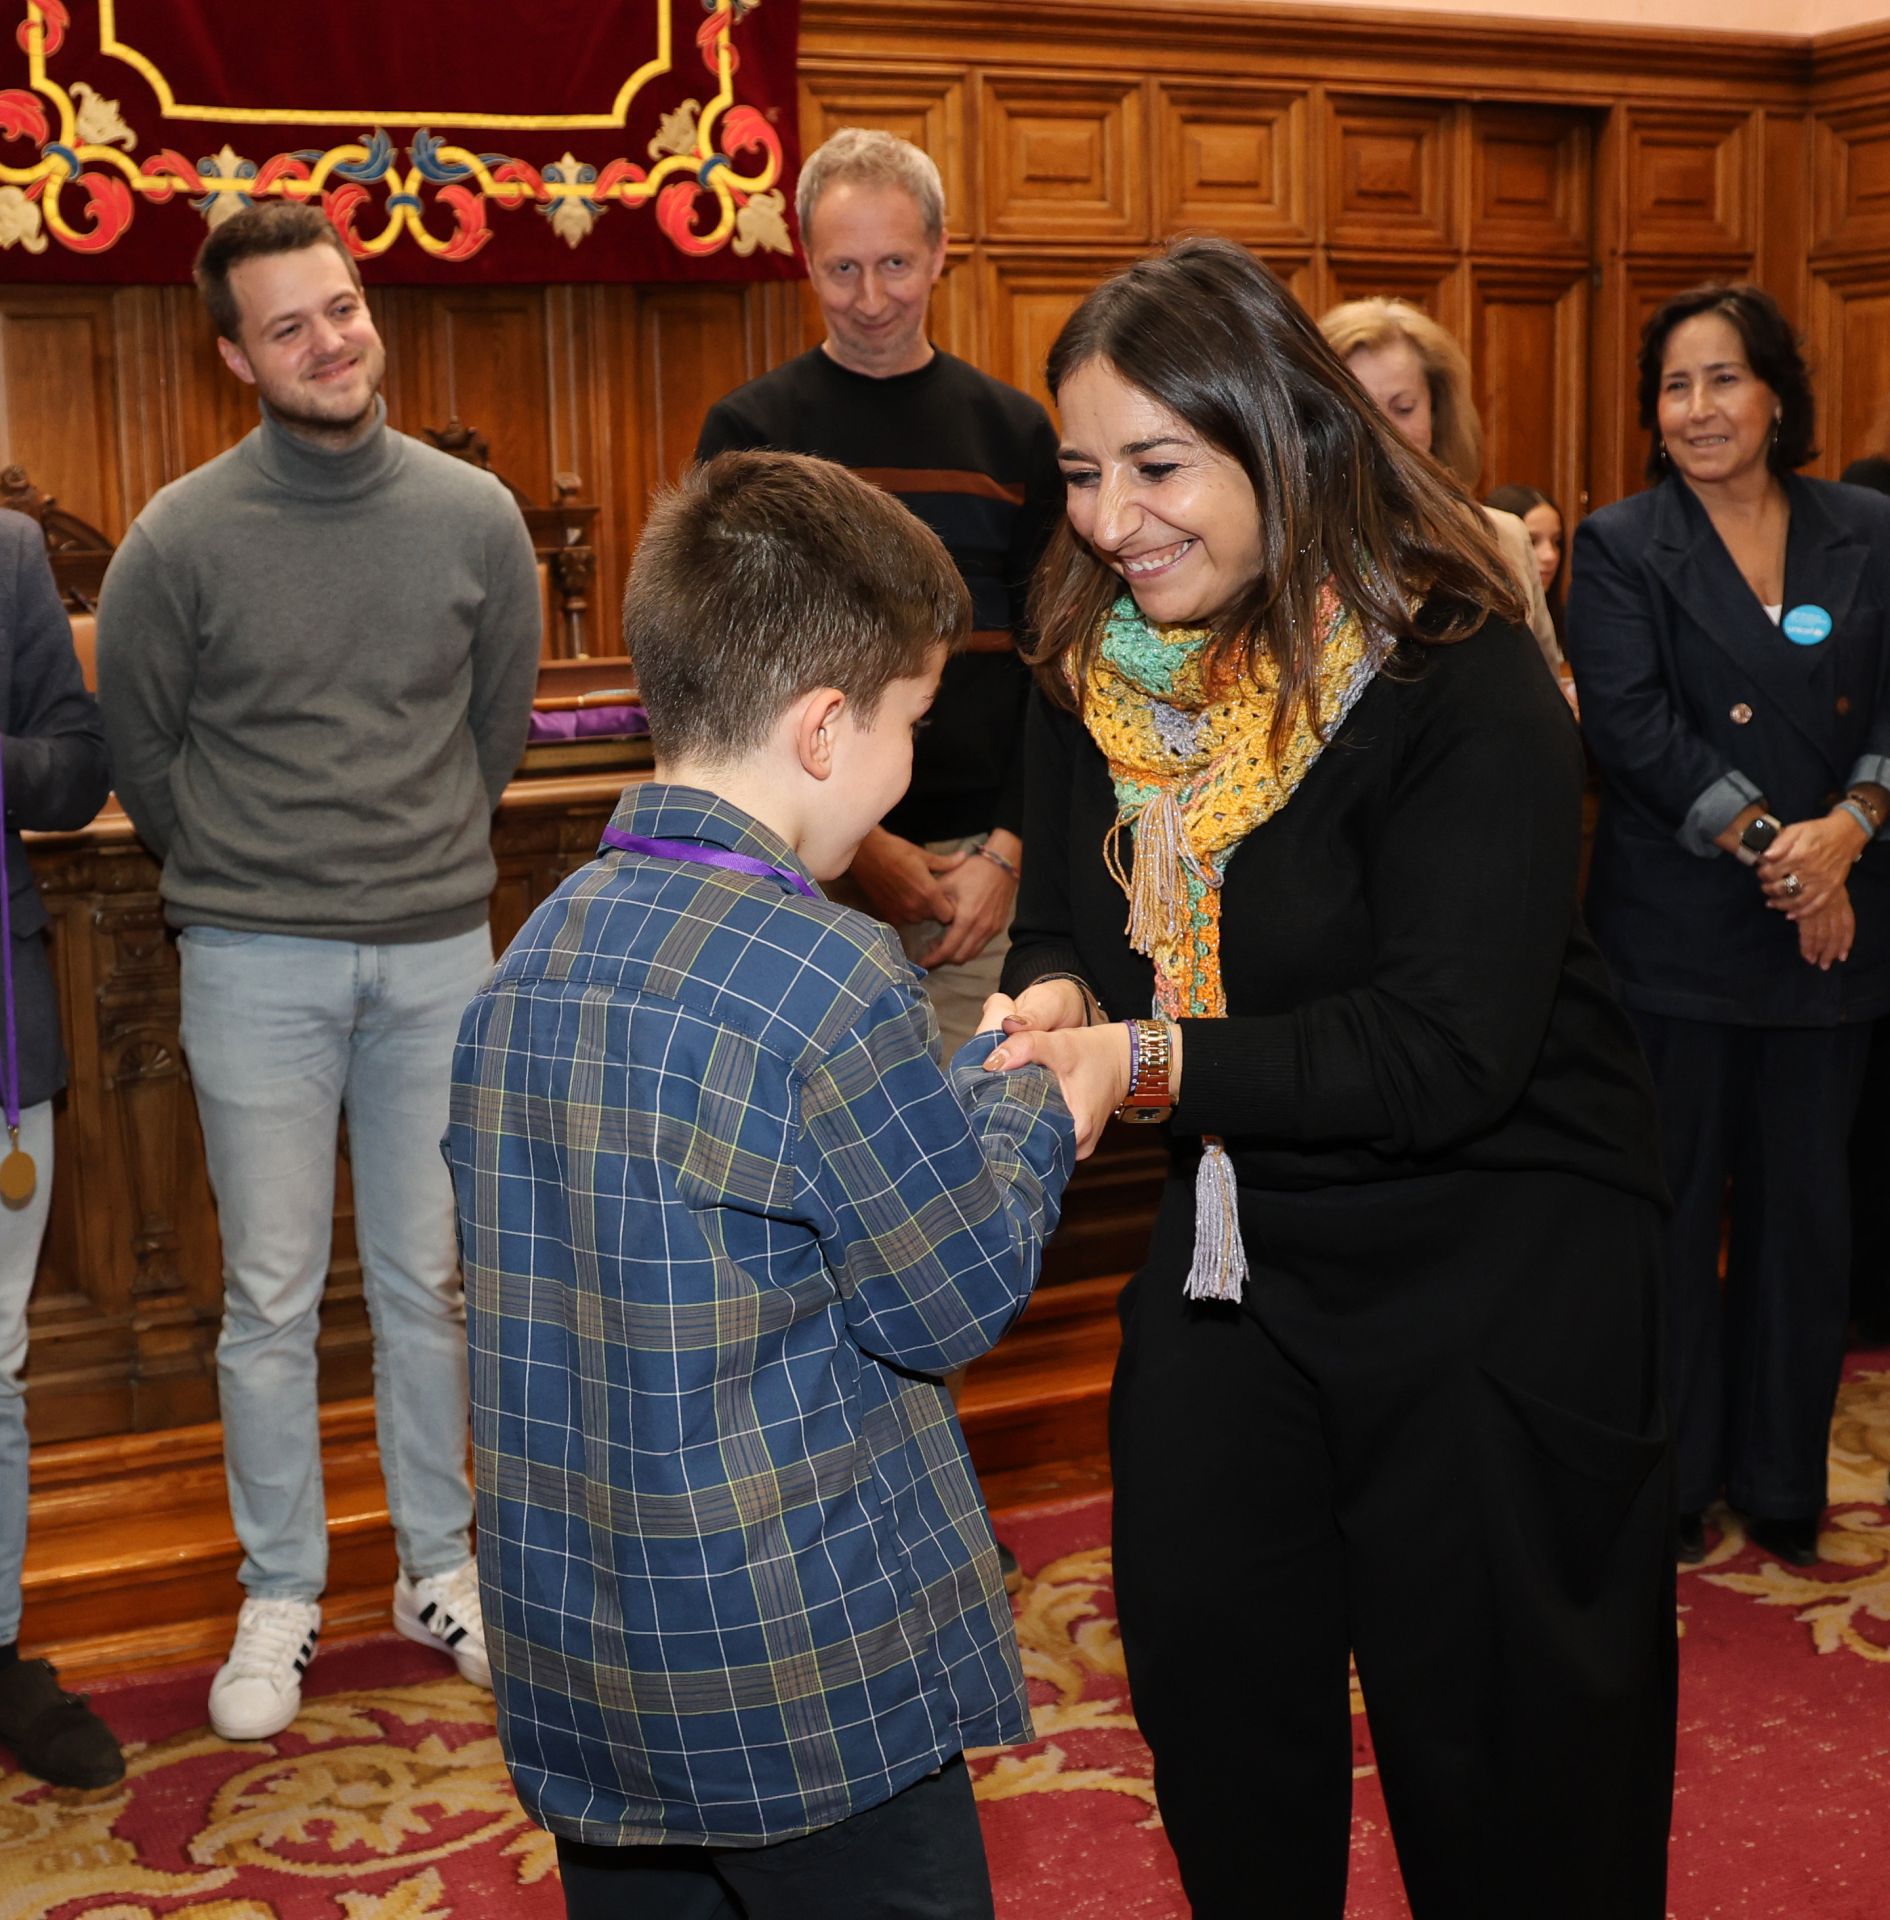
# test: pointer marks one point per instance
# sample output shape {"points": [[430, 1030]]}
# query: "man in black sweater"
{"points": [[975, 460]]}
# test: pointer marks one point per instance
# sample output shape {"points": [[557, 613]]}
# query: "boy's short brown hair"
{"points": [[263, 227], [761, 576]]}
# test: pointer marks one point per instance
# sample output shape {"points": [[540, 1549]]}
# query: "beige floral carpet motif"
{"points": [[387, 1800]]}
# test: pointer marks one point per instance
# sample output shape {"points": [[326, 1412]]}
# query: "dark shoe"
{"points": [[1793, 1541], [1689, 1538], [1007, 1565], [54, 1735]]}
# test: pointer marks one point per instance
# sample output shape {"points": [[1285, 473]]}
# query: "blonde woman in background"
{"points": [[1417, 377]]}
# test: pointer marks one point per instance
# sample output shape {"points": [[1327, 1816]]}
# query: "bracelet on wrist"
{"points": [[985, 851], [1849, 806], [1151, 1056], [1866, 805], [1092, 1007]]}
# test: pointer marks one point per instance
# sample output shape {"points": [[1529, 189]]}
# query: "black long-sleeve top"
{"points": [[1409, 985], [977, 462]]}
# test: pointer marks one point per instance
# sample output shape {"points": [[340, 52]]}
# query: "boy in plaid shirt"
{"points": [[725, 1219]]}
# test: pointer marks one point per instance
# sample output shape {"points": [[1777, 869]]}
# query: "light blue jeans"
{"points": [[283, 1035], [22, 1228]]}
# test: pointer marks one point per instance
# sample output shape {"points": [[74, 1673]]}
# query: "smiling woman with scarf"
{"points": [[1304, 821]]}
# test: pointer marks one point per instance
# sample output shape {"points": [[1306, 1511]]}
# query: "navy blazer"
{"points": [[1685, 683], [56, 777]]}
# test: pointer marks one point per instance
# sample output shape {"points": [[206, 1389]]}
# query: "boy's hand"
{"points": [[1092, 1069], [901, 880], [1048, 1006], [999, 1009]]}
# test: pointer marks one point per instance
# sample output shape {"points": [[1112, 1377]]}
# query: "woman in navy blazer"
{"points": [[1730, 634]]}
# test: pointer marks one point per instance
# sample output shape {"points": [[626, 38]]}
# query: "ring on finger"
{"points": [[1793, 886]]}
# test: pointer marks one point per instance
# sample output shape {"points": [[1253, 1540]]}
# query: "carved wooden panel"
{"points": [[1687, 186], [59, 398], [1233, 160], [1851, 178], [476, 355], [1026, 303], [1436, 285], [1529, 181], [928, 108], [1850, 324], [1390, 173], [1064, 159], [1528, 343]]}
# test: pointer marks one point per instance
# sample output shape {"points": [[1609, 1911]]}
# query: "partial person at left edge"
{"points": [[53, 776], [317, 655]]}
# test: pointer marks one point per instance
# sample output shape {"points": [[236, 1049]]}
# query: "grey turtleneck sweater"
{"points": [[316, 670]]}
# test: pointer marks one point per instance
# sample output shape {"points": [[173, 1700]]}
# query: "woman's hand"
{"points": [[1808, 863], [1091, 1065], [1048, 1006], [1825, 937]]}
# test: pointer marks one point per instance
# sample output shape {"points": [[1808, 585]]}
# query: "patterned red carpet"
{"points": [[387, 1800]]}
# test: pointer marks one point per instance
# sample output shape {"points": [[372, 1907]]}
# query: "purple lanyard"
{"points": [[12, 1083], [686, 850]]}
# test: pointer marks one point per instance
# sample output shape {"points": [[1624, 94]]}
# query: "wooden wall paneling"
{"points": [[1689, 180], [1528, 344], [1850, 322], [1529, 188], [1390, 174], [1027, 298], [1234, 160], [1783, 156], [490, 369], [209, 408], [928, 106], [1064, 158], [1433, 282], [1851, 178], [59, 398]]}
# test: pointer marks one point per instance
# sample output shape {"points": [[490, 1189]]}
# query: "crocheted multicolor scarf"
{"points": [[1189, 752]]}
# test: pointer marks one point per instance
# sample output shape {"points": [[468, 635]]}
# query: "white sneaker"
{"points": [[258, 1689], [442, 1611]]}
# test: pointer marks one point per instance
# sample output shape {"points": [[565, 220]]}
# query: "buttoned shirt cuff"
{"points": [[1715, 810]]}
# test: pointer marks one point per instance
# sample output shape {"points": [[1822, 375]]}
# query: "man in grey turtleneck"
{"points": [[316, 661]]}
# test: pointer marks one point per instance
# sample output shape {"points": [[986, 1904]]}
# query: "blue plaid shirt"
{"points": [[724, 1219]]}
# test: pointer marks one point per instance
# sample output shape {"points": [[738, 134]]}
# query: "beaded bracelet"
{"points": [[1867, 806], [988, 852]]}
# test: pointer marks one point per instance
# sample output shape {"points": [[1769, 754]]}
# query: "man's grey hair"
{"points": [[873, 158]]}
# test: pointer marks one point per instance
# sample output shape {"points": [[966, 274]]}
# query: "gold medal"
{"points": [[18, 1176]]}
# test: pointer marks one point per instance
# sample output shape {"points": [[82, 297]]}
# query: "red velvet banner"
{"points": [[499, 140]]}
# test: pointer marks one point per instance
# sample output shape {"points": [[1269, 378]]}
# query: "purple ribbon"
{"points": [[700, 856], [587, 723], [12, 1085]]}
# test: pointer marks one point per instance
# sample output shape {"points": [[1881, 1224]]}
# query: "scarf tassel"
{"points": [[1161, 854], [1220, 1261]]}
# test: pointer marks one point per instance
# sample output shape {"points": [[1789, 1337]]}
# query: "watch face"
{"points": [[1760, 834]]}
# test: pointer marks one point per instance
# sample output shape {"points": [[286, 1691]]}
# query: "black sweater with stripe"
{"points": [[977, 462]]}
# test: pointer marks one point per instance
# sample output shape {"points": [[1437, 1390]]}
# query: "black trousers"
{"points": [[1430, 1434], [1870, 1193], [1754, 1371], [917, 1856]]}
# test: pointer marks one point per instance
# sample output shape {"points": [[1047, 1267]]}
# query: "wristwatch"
{"points": [[1759, 834], [1149, 1057]]}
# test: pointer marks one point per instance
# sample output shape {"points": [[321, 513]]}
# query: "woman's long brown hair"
{"points": [[1213, 335]]}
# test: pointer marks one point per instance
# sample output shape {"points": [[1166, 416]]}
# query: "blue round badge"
{"points": [[1807, 625]]}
